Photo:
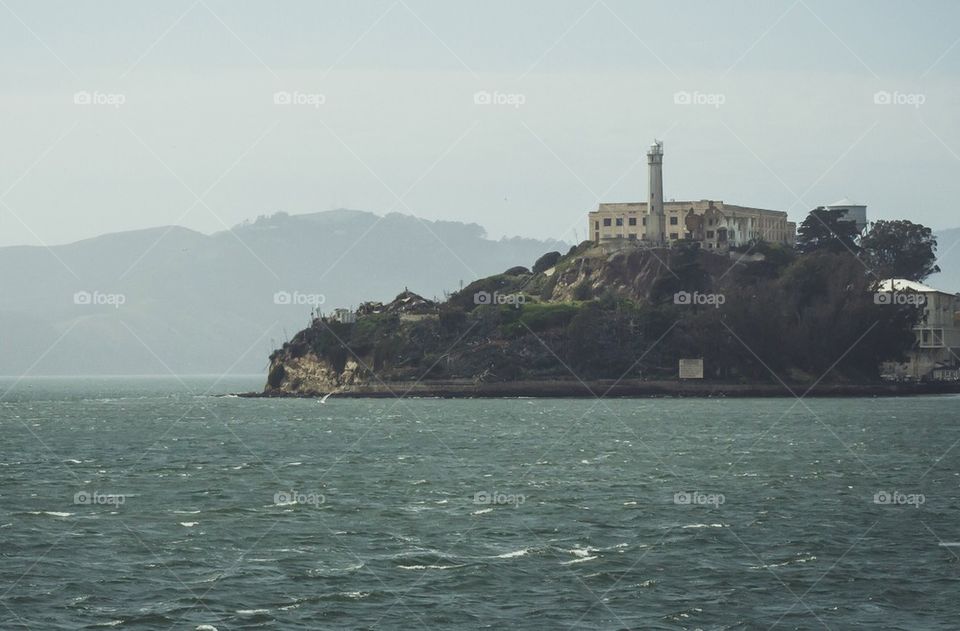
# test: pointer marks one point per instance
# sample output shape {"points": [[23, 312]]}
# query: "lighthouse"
{"points": [[656, 219]]}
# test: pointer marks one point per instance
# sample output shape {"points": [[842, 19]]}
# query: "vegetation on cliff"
{"points": [[764, 313]]}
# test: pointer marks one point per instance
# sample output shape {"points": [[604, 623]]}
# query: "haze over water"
{"points": [[143, 504]]}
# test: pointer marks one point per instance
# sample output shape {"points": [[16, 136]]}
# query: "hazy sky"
{"points": [[183, 126]]}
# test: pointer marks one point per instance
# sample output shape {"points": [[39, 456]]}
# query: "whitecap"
{"points": [[581, 560], [252, 612], [51, 513], [705, 526], [787, 562], [481, 511], [189, 524], [515, 553], [355, 595], [429, 567], [185, 512]]}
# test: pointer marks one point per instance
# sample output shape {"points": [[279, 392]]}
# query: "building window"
{"points": [[632, 221], [596, 237], [633, 236], [709, 234], [709, 246], [606, 221], [674, 221], [644, 221], [674, 235], [619, 221], [596, 225]]}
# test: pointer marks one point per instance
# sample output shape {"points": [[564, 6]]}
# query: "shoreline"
{"points": [[613, 389]]}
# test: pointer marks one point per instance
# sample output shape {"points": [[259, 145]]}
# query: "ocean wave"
{"points": [[580, 560]]}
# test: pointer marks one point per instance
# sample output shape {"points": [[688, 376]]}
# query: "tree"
{"points": [[900, 249], [826, 229], [545, 262]]}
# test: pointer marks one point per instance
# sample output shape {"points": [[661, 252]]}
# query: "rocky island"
{"points": [[614, 319]]}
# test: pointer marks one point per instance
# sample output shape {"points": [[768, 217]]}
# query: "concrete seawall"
{"points": [[625, 388]]}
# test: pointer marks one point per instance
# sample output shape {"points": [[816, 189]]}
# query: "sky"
{"points": [[520, 116]]}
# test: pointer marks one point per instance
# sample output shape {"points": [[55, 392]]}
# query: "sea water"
{"points": [[157, 504]]}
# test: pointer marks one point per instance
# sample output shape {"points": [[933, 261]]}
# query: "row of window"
{"points": [[632, 236], [631, 221]]}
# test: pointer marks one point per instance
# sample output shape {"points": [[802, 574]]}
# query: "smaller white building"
{"points": [[936, 355], [345, 316], [852, 211]]}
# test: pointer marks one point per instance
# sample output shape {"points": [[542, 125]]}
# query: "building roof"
{"points": [[902, 284], [843, 202]]}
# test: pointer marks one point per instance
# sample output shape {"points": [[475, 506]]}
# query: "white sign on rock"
{"points": [[691, 368]]}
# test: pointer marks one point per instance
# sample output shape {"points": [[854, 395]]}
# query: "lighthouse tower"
{"points": [[656, 220]]}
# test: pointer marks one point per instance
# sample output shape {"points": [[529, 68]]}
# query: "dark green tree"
{"points": [[900, 249], [825, 229], [546, 261]]}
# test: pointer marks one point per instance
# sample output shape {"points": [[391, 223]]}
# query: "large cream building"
{"points": [[713, 223]]}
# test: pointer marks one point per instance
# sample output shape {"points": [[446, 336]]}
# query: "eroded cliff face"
{"points": [[311, 375], [630, 272]]}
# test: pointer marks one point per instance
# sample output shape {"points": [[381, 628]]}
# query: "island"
{"points": [[617, 317]]}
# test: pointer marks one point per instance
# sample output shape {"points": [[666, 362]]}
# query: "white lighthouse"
{"points": [[656, 219]]}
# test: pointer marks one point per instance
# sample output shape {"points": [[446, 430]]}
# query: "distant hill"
{"points": [[196, 303], [948, 248]]}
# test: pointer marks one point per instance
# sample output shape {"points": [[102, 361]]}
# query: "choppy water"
{"points": [[524, 514]]}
